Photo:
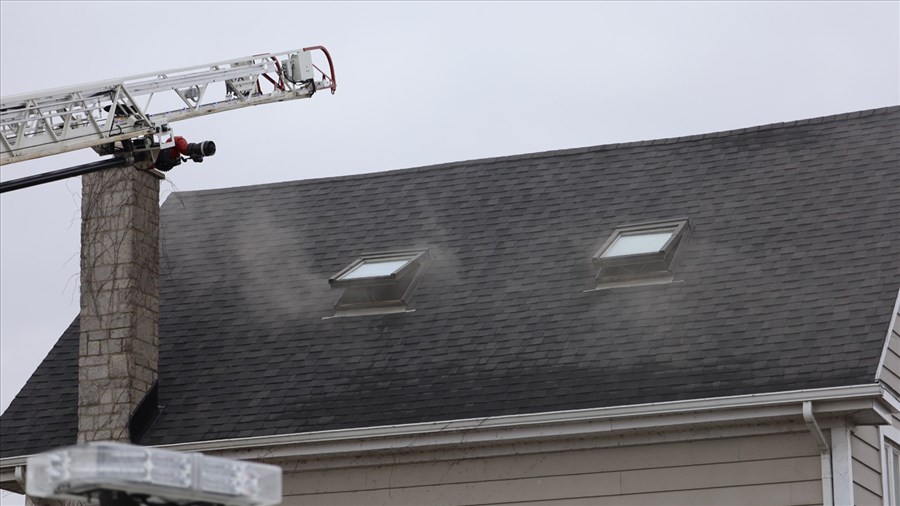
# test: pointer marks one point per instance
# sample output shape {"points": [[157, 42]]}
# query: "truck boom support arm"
{"points": [[56, 121]]}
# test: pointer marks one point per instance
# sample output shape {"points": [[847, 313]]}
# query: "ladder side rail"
{"points": [[65, 110], [57, 121], [4, 144], [59, 93], [108, 83], [32, 132], [75, 104], [40, 116], [47, 105], [165, 82], [87, 111], [51, 102], [39, 145], [228, 105], [33, 151], [282, 90]]}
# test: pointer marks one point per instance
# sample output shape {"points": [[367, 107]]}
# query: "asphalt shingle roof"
{"points": [[787, 281]]}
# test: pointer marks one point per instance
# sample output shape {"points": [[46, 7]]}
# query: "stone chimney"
{"points": [[117, 359]]}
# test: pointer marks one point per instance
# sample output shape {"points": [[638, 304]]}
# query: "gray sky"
{"points": [[419, 83]]}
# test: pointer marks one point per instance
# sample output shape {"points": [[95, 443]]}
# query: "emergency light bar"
{"points": [[84, 471]]}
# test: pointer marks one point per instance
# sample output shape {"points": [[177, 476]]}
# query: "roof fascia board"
{"points": [[887, 340], [313, 445], [560, 423], [493, 443], [286, 457], [291, 460], [317, 444], [885, 409]]}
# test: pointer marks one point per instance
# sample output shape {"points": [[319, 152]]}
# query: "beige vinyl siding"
{"points": [[771, 469], [890, 439], [862, 497], [866, 454], [890, 373], [789, 493]]}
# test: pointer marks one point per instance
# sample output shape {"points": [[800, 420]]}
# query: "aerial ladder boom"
{"points": [[99, 115]]}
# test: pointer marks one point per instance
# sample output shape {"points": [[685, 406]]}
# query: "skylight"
{"points": [[639, 242], [639, 254], [377, 283], [375, 268]]}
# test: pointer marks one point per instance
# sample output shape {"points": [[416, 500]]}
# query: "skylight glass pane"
{"points": [[375, 268], [638, 242]]}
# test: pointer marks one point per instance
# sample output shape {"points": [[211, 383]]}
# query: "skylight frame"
{"points": [[382, 294], [641, 268], [412, 259], [677, 228]]}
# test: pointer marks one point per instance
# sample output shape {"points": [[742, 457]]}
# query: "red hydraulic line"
{"points": [[280, 84], [330, 66]]}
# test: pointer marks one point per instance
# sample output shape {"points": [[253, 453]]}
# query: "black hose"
{"points": [[48, 177]]}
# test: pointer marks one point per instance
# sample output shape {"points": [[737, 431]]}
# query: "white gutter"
{"points": [[824, 450], [837, 400], [657, 409]]}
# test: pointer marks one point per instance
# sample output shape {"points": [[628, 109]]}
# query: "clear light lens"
{"points": [[171, 469], [227, 477], [239, 478], [43, 474], [73, 471], [221, 477], [113, 462], [374, 268], [638, 242]]}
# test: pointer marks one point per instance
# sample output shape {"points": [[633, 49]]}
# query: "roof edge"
{"points": [[560, 152], [649, 416]]}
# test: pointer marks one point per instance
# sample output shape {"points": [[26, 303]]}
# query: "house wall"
{"points": [[891, 435], [890, 371], [865, 451], [770, 469], [866, 441]]}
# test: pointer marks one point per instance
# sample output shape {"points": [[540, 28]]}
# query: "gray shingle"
{"points": [[787, 282]]}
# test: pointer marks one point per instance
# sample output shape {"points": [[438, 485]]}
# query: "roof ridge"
{"points": [[557, 152]]}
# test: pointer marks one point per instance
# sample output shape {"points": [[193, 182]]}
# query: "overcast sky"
{"points": [[419, 84]]}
